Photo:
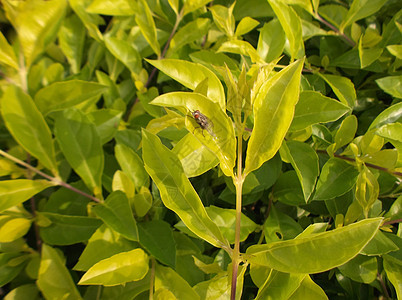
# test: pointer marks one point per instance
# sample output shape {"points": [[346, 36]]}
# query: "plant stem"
{"points": [[239, 187], [56, 181], [341, 34], [394, 173], [152, 279]]}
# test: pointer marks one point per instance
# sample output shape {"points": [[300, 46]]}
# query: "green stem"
{"points": [[239, 179], [336, 30], [56, 181]]}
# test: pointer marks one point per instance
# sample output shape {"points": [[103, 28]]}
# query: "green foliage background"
{"points": [[110, 189]]}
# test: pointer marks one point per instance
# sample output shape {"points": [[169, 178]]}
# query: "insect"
{"points": [[203, 121]]}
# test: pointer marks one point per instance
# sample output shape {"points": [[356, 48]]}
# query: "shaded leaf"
{"points": [[81, 145], [28, 126]]}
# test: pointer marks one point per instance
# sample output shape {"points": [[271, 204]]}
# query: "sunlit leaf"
{"points": [[118, 269], [176, 191], [54, 280], [316, 253], [219, 137], [190, 75], [273, 113]]}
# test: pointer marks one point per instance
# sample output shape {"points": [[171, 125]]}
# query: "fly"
{"points": [[203, 121]]}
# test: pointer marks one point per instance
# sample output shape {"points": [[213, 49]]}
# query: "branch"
{"points": [[394, 173], [336, 30], [56, 181]]}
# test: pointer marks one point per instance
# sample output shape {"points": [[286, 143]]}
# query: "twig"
{"points": [[394, 173], [56, 181], [336, 30]]}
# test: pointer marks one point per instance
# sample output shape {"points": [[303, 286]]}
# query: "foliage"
{"points": [[200, 150]]}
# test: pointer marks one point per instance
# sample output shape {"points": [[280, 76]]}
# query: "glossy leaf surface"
{"points": [[305, 255], [273, 113]]}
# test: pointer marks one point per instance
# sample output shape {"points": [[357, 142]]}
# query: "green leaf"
{"points": [[28, 126], [305, 162], [246, 25], [191, 75], [72, 41], [241, 47], [142, 202], [26, 291], [81, 145], [208, 58], [219, 138], [91, 21], [192, 5], [116, 213], [271, 41], [367, 189], [189, 33], [361, 269], [67, 230], [195, 158], [106, 239], [225, 219], [368, 56], [12, 228], [7, 55], [66, 94], [314, 108], [118, 269], [391, 85], [176, 191], [14, 192], [273, 113], [157, 238], [279, 285], [54, 280], [392, 114], [167, 279], [308, 289], [287, 189], [318, 252], [9, 270], [394, 270], [279, 226], [379, 245], [344, 134], [37, 23], [361, 9], [337, 177], [125, 53], [107, 122], [143, 17], [111, 8], [342, 87], [395, 50], [291, 25], [132, 165], [223, 18], [219, 286]]}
